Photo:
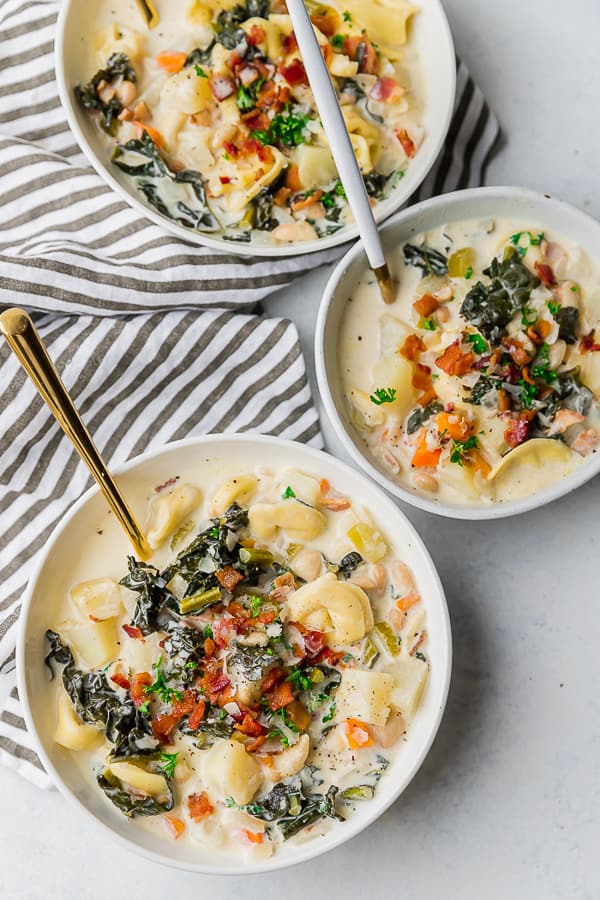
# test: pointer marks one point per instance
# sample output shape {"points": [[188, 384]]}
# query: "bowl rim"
{"points": [[421, 166], [312, 849], [444, 202]]}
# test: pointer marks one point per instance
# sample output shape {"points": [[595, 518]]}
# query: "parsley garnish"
{"points": [[144, 708], [429, 324], [469, 272], [299, 680], [337, 41], [421, 656], [168, 761], [288, 129], [479, 345], [200, 72], [328, 198], [528, 316], [288, 493], [459, 448], [331, 713], [208, 632], [554, 306], [255, 605], [383, 395], [214, 532], [247, 94], [230, 803], [160, 686], [515, 240], [226, 156], [528, 392], [347, 16]]}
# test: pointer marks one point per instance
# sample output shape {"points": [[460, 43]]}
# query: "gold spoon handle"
{"points": [[26, 344]]}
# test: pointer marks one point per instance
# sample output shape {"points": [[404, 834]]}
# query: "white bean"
{"points": [[425, 482]]}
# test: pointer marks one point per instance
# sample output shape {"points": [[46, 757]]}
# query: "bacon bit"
{"points": [[504, 404], [197, 715], [545, 274], [121, 680], [307, 200], [517, 431], [213, 682], [248, 75], [454, 362], [256, 35], [171, 61], [419, 643], [289, 44], [175, 826], [294, 73], [587, 343], [292, 178], [134, 632], [369, 63], [163, 725], [327, 51], [286, 580], [271, 678], [221, 87], [168, 483], [357, 734], [249, 726], [186, 704], [152, 133], [256, 120], [255, 744], [228, 577], [328, 655], [326, 22], [405, 603], [421, 378], [224, 179], [269, 95], [426, 305], [199, 806], [412, 346], [255, 837], [252, 146], [313, 642], [282, 196], [526, 376], [281, 695], [586, 442], [386, 90], [231, 149], [408, 145], [138, 683]]}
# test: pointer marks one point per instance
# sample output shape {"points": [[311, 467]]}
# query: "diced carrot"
{"points": [[171, 61], [247, 542], [336, 504], [425, 458], [175, 826], [121, 680], [151, 132], [405, 603], [457, 427], [199, 806], [453, 361], [358, 734], [477, 461], [326, 21], [503, 400], [408, 145], [324, 486], [426, 305], [412, 346], [209, 647], [292, 178], [138, 683], [421, 379], [255, 837], [281, 196], [281, 695], [543, 328], [307, 200]]}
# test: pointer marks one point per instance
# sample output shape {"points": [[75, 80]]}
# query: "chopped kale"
{"points": [[431, 261], [263, 203], [572, 393], [117, 66], [153, 595], [253, 661], [349, 563], [484, 386], [292, 808], [375, 183], [568, 323], [421, 414], [129, 804]]}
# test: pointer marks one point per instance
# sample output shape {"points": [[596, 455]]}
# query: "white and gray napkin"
{"points": [[155, 338]]}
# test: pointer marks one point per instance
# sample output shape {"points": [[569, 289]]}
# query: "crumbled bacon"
{"points": [[281, 695], [545, 274], [386, 90], [121, 680], [256, 35], [587, 343], [163, 725], [134, 632], [294, 73], [138, 683], [196, 715], [282, 585], [231, 149], [325, 21], [290, 44], [228, 577], [221, 87], [586, 442], [517, 431], [412, 346], [426, 305], [199, 806], [454, 362], [359, 48], [249, 726]]}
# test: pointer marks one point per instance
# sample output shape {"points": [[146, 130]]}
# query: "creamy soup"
{"points": [[480, 383], [252, 683], [211, 115]]}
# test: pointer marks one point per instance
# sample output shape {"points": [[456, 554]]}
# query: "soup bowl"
{"points": [[88, 537]]}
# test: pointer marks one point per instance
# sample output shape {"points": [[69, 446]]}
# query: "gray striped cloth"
{"points": [[155, 338]]}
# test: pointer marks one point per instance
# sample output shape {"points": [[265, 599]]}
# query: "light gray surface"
{"points": [[507, 802]]}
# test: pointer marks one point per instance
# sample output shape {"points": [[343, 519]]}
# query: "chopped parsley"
{"points": [[255, 605], [299, 680], [247, 94], [533, 241], [478, 343], [554, 306], [288, 493], [528, 316], [528, 392], [459, 448], [160, 686], [337, 41], [287, 129], [429, 324], [383, 395], [328, 198], [208, 632], [331, 713], [226, 156], [469, 272], [144, 708], [168, 761], [347, 17], [200, 72]]}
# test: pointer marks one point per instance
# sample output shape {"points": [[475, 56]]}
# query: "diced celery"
{"points": [[370, 654], [389, 637], [368, 542], [460, 262]]}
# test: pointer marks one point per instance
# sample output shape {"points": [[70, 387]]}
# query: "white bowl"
{"points": [[64, 562], [433, 41], [483, 203]]}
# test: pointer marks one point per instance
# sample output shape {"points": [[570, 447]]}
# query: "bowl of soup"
{"points": [[206, 124], [475, 393], [265, 685]]}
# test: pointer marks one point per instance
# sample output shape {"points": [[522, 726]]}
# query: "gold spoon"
{"points": [[26, 344]]}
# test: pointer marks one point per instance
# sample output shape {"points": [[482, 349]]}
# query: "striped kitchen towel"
{"points": [[155, 338]]}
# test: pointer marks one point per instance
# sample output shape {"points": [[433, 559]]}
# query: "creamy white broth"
{"points": [[391, 596], [281, 190], [494, 469]]}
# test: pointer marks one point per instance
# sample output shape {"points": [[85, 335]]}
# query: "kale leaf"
{"points": [[484, 386], [431, 261], [573, 394], [568, 323], [153, 595], [118, 65], [291, 806], [129, 804], [263, 204], [349, 563], [491, 307], [421, 414], [253, 661]]}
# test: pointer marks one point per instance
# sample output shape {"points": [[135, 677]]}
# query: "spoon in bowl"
{"points": [[27, 345]]}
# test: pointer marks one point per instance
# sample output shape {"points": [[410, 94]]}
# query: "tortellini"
{"points": [[396, 372], [410, 677], [365, 138], [117, 39], [93, 642], [169, 510], [386, 22], [101, 598], [184, 92], [300, 522], [315, 165], [231, 772], [365, 695], [340, 610], [289, 762], [146, 782], [237, 490], [70, 732], [305, 487]]}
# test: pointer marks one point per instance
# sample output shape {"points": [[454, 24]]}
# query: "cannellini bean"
{"points": [[307, 564], [290, 761], [141, 110], [556, 353], [362, 581], [294, 231], [443, 314], [401, 578], [106, 93], [126, 92], [389, 459], [425, 482], [387, 735], [379, 575], [397, 618]]}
